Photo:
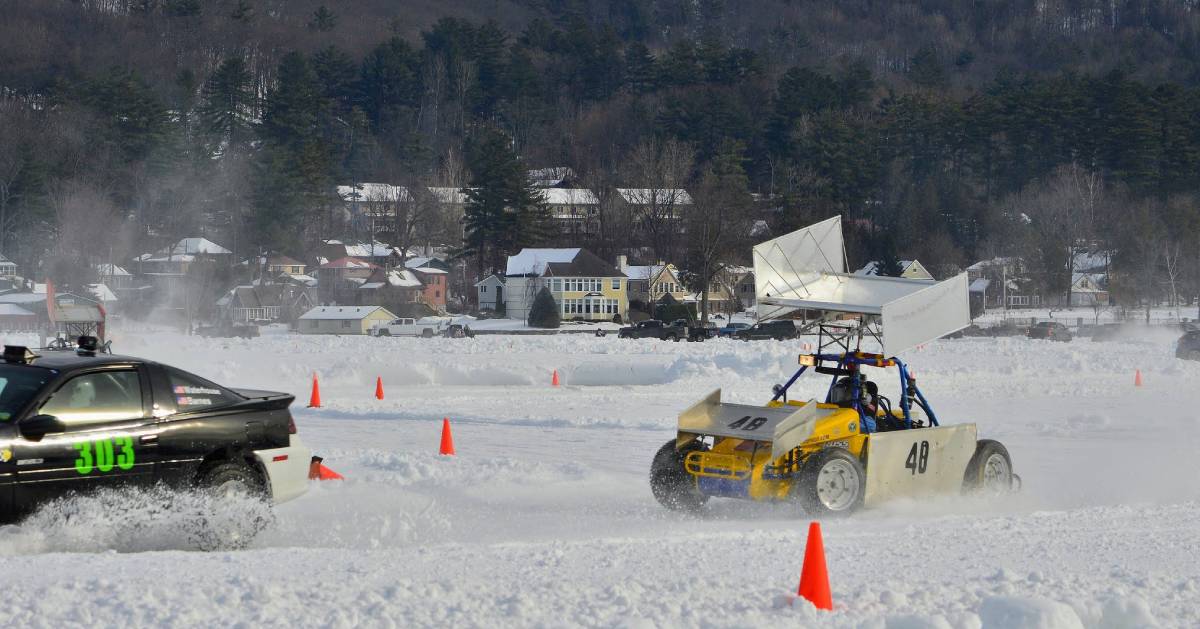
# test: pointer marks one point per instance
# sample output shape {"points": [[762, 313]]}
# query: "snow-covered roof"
{"points": [[491, 280], [429, 270], [348, 263], [908, 268], [339, 313], [13, 310], [185, 250], [111, 270], [980, 285], [643, 272], [534, 261], [22, 298], [307, 280], [449, 195], [549, 177], [569, 196], [374, 193], [1092, 260], [655, 196], [102, 292], [991, 263]]}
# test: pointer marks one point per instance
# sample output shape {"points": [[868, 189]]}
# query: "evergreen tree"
{"points": [[242, 12], [640, 69], [323, 20], [389, 82], [926, 69], [543, 313], [504, 211], [228, 104]]}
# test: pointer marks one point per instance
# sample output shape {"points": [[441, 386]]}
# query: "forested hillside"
{"points": [[949, 130]]}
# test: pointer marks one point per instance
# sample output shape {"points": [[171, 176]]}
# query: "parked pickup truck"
{"points": [[427, 328], [655, 329]]}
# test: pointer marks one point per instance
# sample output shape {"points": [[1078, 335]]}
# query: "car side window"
{"points": [[97, 397], [193, 393]]}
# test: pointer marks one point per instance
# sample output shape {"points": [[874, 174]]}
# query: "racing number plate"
{"points": [[918, 462]]}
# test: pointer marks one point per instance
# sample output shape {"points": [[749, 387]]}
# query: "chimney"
{"points": [[622, 262]]}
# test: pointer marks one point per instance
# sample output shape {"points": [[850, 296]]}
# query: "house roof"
{"points": [[22, 298], [253, 296], [491, 280], [550, 177], [559, 262], [185, 250], [644, 272], [102, 292], [569, 196], [349, 263], [979, 286], [283, 261], [342, 313], [373, 193], [398, 278], [429, 270], [872, 268], [79, 313], [111, 270], [449, 195], [13, 310], [655, 196], [4, 260]]}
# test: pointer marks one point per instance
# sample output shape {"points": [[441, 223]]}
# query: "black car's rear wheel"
{"points": [[236, 509], [832, 483], [670, 483]]}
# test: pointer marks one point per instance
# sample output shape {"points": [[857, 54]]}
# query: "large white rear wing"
{"points": [[806, 269]]}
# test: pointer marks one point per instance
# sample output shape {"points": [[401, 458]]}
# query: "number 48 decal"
{"points": [[917, 460], [102, 454]]}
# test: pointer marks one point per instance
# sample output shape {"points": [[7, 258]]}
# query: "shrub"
{"points": [[544, 312]]}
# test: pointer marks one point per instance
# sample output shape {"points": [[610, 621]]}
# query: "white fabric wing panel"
{"points": [[925, 315], [784, 266]]}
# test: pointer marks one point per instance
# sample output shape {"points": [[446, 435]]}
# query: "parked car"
{"points": [[1188, 347], [410, 327], [730, 328], [1049, 330], [83, 421], [655, 329], [228, 330], [779, 329]]}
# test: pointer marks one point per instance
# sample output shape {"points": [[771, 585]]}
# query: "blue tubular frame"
{"points": [[907, 382]]}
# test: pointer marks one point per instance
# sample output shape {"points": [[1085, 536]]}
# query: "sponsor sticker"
{"points": [[182, 390], [5, 455], [184, 400], [29, 461]]}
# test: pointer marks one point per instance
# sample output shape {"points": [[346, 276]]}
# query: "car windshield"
{"points": [[18, 384]]}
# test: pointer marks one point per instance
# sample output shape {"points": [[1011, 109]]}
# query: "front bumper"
{"points": [[286, 469]]}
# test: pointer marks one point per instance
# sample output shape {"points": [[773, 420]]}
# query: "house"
{"points": [[909, 269], [372, 206], [648, 283], [342, 319], [8, 268], [114, 277], [374, 252], [75, 316], [421, 262], [1008, 284], [490, 291], [271, 302], [436, 289], [741, 279], [283, 265], [553, 177], [583, 285], [14, 318], [177, 258], [338, 281], [396, 288], [1089, 289], [663, 203], [576, 211]]}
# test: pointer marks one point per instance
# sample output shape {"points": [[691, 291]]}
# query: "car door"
{"points": [[105, 436]]}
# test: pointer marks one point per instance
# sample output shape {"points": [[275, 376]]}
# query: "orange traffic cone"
{"points": [[314, 401], [378, 387], [318, 471], [1137, 378], [554, 379], [814, 579], [447, 439]]}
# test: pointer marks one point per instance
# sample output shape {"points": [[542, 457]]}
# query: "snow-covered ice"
{"points": [[545, 517]]}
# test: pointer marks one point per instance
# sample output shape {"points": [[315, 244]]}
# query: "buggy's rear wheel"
{"points": [[832, 483], [670, 483], [990, 469]]}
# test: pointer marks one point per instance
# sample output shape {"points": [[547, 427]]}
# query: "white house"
{"points": [[490, 292], [909, 269], [8, 268], [576, 211], [342, 319]]}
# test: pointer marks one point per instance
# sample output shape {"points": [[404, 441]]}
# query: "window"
{"points": [[482, 289], [345, 323], [437, 294], [616, 284], [17, 385], [556, 285], [97, 397], [193, 393], [312, 324]]}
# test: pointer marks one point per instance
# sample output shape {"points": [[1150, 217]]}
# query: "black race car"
{"points": [[73, 422]]}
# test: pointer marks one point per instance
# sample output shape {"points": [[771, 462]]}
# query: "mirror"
{"points": [[39, 426]]}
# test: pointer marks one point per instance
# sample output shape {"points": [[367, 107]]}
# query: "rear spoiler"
{"points": [[267, 400], [783, 428]]}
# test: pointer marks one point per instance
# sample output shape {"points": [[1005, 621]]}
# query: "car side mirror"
{"points": [[39, 426]]}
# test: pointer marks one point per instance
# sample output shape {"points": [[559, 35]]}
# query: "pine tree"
{"points": [[926, 69], [543, 313], [228, 104], [323, 20], [640, 71]]}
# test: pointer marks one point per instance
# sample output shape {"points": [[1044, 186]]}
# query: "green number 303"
{"points": [[98, 454]]}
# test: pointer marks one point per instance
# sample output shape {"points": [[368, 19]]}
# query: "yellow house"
{"points": [[583, 285], [648, 283], [342, 319]]}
